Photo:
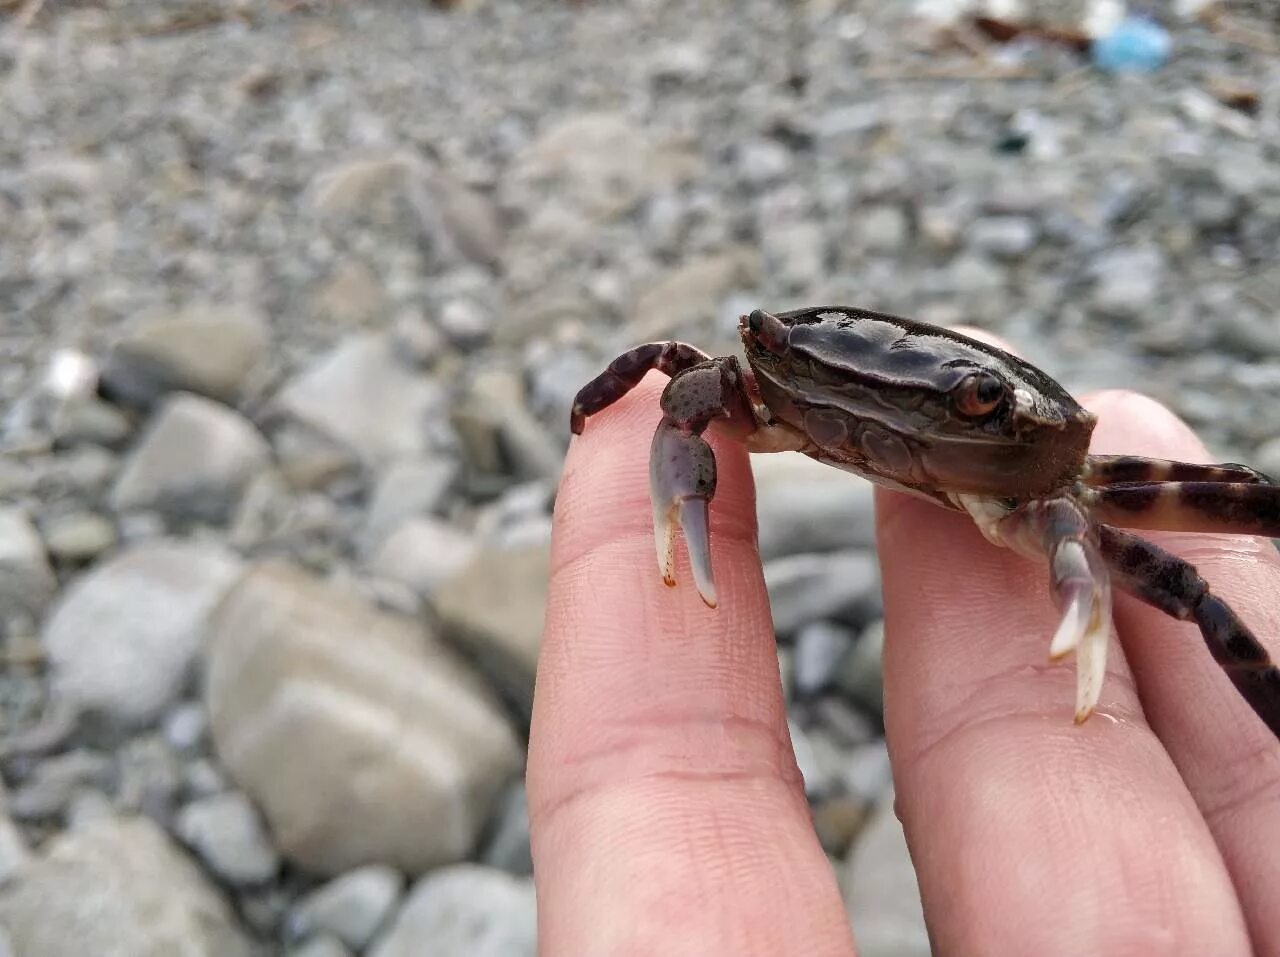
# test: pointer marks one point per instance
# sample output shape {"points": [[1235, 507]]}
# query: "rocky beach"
{"points": [[294, 300]]}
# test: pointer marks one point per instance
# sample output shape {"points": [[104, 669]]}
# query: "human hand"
{"points": [[667, 812]]}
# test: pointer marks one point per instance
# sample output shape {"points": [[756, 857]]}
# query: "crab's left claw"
{"points": [[1082, 587], [682, 479]]}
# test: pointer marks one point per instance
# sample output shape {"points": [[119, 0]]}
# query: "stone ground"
{"points": [[336, 271]]}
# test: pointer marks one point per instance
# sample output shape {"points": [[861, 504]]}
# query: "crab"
{"points": [[939, 415]]}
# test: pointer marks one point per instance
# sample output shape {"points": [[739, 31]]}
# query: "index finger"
{"points": [[667, 813]]}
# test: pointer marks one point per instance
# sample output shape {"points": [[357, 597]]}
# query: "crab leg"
{"points": [[1059, 530], [1113, 469], [625, 372], [682, 467], [1171, 584], [1239, 508]]}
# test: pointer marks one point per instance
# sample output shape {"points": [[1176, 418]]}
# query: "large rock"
{"points": [[464, 911], [359, 736], [26, 580], [117, 888], [495, 608], [214, 351], [881, 891], [122, 639], [193, 461], [364, 397]]}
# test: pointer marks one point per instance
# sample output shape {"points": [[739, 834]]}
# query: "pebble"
{"points": [[365, 398], [192, 462], [860, 672], [14, 852], [352, 907], [1007, 237], [326, 945], [78, 537], [185, 727], [465, 322], [26, 580], [423, 553], [149, 778], [499, 435], [209, 350], [842, 585], [820, 646], [504, 636], [123, 637], [464, 911], [407, 488], [881, 891], [227, 833], [882, 229], [1127, 281], [55, 780], [117, 888], [295, 668]]}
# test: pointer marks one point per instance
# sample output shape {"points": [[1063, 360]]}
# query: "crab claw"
{"points": [[1083, 591], [1091, 663], [682, 480]]}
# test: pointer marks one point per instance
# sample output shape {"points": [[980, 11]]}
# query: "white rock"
{"points": [[359, 736], [123, 637], [78, 536], [464, 911], [193, 461], [363, 397], [352, 906], [227, 833], [26, 580], [117, 888], [495, 608]]}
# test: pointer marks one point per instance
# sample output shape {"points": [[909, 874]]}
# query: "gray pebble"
{"points": [[78, 536], [351, 907], [227, 833]]}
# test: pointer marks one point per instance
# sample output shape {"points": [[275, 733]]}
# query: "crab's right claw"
{"points": [[682, 480]]}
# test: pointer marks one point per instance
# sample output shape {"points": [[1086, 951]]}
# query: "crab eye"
{"points": [[978, 394]]}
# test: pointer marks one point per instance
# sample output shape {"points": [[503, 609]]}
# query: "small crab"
{"points": [[939, 415]]}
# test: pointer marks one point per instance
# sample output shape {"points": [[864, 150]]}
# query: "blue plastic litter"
{"points": [[1136, 45]]}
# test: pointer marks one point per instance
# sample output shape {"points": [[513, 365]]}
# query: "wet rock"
{"points": [[122, 638], [502, 633], [78, 537], [407, 488], [351, 907], [117, 888], [842, 585], [363, 397], [227, 833], [26, 580], [416, 752], [881, 891], [192, 462], [209, 350], [423, 553], [805, 506], [464, 911]]}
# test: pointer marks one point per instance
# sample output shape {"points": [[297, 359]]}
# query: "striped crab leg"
{"points": [[1236, 508], [1173, 585], [1101, 470]]}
